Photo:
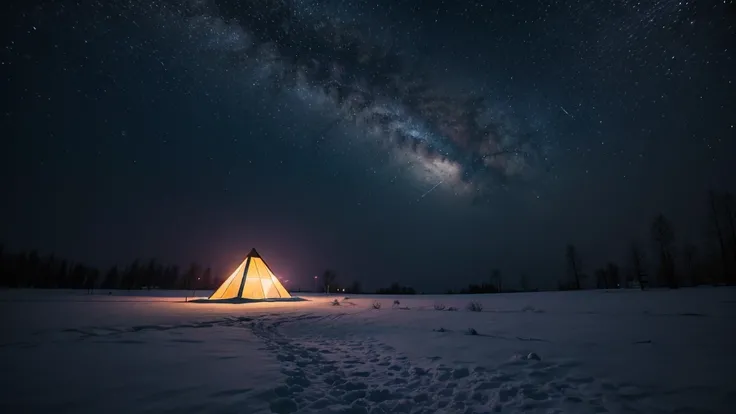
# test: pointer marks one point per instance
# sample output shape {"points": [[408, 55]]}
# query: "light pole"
{"points": [[194, 292], [194, 289], [316, 284]]}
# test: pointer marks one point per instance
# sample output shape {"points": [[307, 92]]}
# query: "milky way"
{"points": [[455, 139], [501, 128]]}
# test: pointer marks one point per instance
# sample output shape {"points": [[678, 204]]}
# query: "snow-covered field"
{"points": [[567, 352]]}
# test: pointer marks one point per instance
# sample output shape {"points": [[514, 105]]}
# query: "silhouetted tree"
{"points": [[664, 237], [31, 269], [574, 265], [473, 289], [90, 279], [729, 213], [4, 271], [608, 277], [79, 277], [130, 278], [716, 225], [192, 276], [62, 274], [112, 279], [173, 276], [613, 276], [149, 275], [637, 265], [356, 287], [329, 277], [45, 271], [496, 279], [689, 266], [524, 282], [600, 278], [396, 289]]}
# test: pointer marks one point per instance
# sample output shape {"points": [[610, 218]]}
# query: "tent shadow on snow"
{"points": [[252, 281]]}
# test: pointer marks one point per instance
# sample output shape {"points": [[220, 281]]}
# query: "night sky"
{"points": [[422, 142]]}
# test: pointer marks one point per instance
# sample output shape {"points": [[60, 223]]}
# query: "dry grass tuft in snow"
{"points": [[475, 306]]}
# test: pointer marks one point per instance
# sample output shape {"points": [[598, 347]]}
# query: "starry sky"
{"points": [[421, 142]]}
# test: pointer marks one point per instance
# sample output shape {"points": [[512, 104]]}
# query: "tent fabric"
{"points": [[253, 279]]}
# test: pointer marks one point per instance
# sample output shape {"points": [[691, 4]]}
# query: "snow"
{"points": [[571, 352]]}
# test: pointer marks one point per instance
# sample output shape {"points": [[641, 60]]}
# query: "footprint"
{"points": [[380, 395], [351, 396]]}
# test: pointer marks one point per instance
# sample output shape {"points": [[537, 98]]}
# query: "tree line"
{"points": [[673, 264], [29, 269]]}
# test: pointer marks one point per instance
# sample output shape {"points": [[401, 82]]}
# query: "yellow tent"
{"points": [[251, 280]]}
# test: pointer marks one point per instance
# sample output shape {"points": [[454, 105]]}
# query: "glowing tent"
{"points": [[251, 280]]}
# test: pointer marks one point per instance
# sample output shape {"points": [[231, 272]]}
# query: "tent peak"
{"points": [[253, 253]]}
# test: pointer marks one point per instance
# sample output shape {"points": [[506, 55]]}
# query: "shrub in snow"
{"points": [[346, 298], [472, 331], [335, 302], [403, 308], [376, 305], [475, 306], [528, 357], [440, 330], [397, 303], [533, 356], [529, 308], [452, 309], [439, 306]]}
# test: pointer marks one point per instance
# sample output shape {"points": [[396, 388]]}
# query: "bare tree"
{"points": [[730, 211], [663, 237], [712, 199], [600, 279], [689, 255], [573, 265], [328, 278], [496, 279], [613, 277], [637, 265], [524, 282]]}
